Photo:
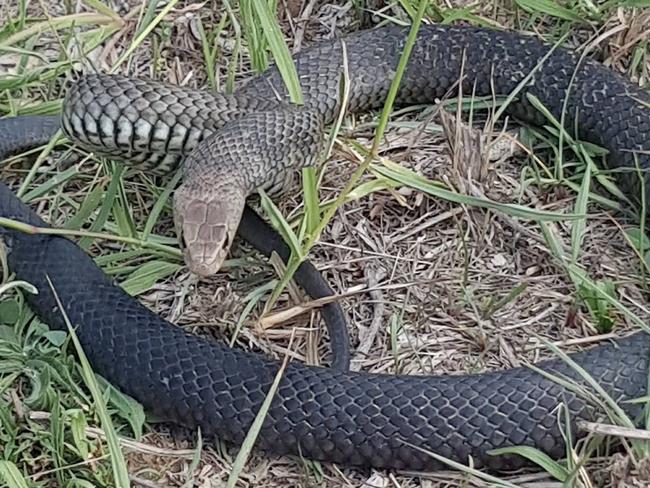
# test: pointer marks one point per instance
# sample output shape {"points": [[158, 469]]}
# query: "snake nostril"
{"points": [[206, 270]]}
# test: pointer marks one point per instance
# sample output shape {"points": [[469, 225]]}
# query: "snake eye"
{"points": [[178, 226], [225, 245]]}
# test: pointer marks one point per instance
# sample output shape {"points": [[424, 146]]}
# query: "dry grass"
{"points": [[431, 269]]}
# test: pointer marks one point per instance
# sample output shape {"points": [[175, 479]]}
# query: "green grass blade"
{"points": [[232, 65], [142, 35], [579, 225], [552, 467], [279, 49], [196, 459], [160, 205], [312, 203], [122, 214], [251, 435], [257, 42], [60, 23], [50, 184], [102, 8], [147, 17], [370, 187], [146, 276], [105, 209], [410, 178], [10, 473], [124, 406], [612, 406], [88, 207], [280, 224], [550, 7], [251, 300], [493, 480]]}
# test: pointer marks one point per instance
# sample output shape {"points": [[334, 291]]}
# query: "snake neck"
{"points": [[257, 150]]}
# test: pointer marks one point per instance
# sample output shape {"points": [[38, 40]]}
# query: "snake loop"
{"points": [[238, 142]]}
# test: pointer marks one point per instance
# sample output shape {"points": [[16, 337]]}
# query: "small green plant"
{"points": [[599, 308]]}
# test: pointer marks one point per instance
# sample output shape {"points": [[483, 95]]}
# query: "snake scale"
{"points": [[379, 420]]}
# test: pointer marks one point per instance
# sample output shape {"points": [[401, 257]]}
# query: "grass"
{"points": [[123, 218]]}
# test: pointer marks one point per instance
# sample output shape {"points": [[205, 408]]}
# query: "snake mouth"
{"points": [[205, 257]]}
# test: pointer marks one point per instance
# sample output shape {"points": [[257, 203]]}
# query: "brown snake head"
{"points": [[206, 221]]}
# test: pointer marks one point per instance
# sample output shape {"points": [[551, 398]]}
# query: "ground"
{"points": [[428, 286]]}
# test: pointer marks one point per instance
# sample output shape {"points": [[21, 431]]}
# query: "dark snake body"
{"points": [[375, 420]]}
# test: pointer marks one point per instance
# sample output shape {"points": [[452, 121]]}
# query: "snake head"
{"points": [[206, 220]]}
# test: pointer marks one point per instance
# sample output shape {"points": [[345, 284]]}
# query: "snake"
{"points": [[229, 145]]}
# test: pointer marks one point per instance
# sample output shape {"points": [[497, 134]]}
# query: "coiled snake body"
{"points": [[320, 413]]}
